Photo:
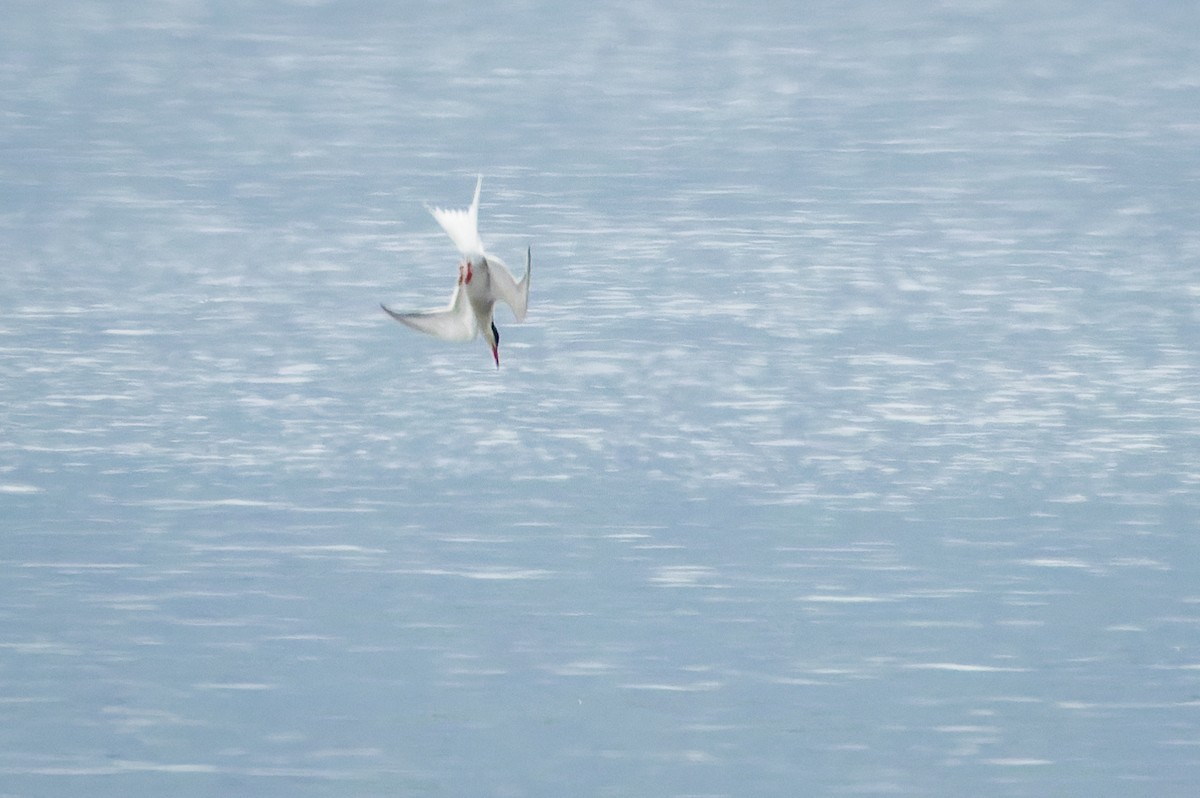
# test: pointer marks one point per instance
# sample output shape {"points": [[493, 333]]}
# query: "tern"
{"points": [[482, 280]]}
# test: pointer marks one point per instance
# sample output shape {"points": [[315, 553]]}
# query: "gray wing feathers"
{"points": [[514, 294], [455, 322]]}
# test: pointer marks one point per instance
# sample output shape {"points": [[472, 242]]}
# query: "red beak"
{"points": [[496, 355]]}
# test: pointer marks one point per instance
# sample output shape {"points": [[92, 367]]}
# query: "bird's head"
{"points": [[493, 336]]}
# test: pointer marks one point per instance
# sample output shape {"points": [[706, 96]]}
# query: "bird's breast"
{"points": [[480, 285]]}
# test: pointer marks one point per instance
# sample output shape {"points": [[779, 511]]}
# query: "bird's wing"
{"points": [[455, 322], [462, 226], [508, 290]]}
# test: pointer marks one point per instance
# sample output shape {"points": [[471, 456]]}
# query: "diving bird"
{"points": [[482, 280]]}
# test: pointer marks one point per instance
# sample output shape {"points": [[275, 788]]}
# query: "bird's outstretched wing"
{"points": [[508, 290], [462, 226], [455, 322]]}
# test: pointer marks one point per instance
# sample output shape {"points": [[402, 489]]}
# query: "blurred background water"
{"points": [[851, 446]]}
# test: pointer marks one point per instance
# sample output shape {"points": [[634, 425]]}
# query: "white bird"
{"points": [[482, 280]]}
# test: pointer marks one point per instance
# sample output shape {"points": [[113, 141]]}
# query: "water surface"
{"points": [[851, 446]]}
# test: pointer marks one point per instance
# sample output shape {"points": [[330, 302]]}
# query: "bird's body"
{"points": [[483, 280]]}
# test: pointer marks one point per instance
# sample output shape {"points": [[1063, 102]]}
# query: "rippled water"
{"points": [[852, 443]]}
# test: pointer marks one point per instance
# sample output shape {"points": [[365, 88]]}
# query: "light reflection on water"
{"points": [[850, 445]]}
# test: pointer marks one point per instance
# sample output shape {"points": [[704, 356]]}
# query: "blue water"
{"points": [[851, 445]]}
